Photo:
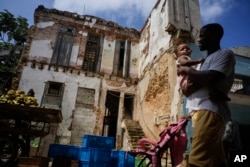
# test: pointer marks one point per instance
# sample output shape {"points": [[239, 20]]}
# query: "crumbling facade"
{"points": [[100, 73]]}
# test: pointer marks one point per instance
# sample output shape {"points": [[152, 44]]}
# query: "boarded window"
{"points": [[53, 93], [63, 46], [92, 59], [85, 120]]}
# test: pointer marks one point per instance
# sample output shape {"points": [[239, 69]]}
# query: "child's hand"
{"points": [[201, 60]]}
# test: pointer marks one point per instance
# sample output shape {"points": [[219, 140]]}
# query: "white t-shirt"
{"points": [[222, 61]]}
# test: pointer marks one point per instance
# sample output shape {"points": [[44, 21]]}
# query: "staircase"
{"points": [[133, 133]]}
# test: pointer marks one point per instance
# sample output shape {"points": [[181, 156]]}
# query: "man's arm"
{"points": [[203, 78]]}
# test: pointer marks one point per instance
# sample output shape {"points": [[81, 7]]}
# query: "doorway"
{"points": [[128, 106], [111, 113]]}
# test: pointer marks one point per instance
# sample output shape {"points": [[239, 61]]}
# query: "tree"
{"points": [[13, 31], [13, 34]]}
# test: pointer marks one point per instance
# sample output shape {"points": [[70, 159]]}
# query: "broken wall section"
{"points": [[159, 99], [157, 96]]}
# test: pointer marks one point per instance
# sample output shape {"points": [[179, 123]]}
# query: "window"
{"points": [[63, 46], [54, 89], [53, 93], [241, 85], [93, 47], [122, 58]]}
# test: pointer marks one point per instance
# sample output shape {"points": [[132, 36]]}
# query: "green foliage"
{"points": [[13, 34], [13, 31], [8, 63]]}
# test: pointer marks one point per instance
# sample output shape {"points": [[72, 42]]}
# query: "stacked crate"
{"points": [[60, 150], [63, 154], [96, 151], [121, 158]]}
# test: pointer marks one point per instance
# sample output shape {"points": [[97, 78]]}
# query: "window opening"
{"points": [[121, 58], [92, 53], [241, 85], [53, 94], [63, 46], [54, 89]]}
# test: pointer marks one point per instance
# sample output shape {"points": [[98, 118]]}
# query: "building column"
{"points": [[119, 121]]}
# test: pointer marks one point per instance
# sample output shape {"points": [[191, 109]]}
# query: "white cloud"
{"points": [[112, 9], [128, 12], [213, 9]]}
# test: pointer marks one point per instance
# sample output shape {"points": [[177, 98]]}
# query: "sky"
{"points": [[233, 15]]}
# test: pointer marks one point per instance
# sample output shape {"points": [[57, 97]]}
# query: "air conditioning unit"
{"points": [[156, 119]]}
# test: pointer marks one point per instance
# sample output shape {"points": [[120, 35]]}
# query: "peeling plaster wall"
{"points": [[108, 54], [134, 60], [156, 92], [71, 81], [37, 49], [154, 39]]}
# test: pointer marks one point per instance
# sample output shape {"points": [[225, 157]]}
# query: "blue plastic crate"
{"points": [[93, 164], [94, 155], [60, 150], [121, 158], [55, 150], [73, 152], [122, 165], [85, 154], [98, 141], [83, 164]]}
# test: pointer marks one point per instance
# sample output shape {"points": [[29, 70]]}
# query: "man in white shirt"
{"points": [[210, 113]]}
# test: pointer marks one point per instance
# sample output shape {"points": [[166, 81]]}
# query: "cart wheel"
{"points": [[8, 151], [22, 150]]}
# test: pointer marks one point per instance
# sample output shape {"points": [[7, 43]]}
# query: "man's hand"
{"points": [[183, 70]]}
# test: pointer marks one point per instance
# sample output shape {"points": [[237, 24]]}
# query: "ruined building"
{"points": [[105, 77]]}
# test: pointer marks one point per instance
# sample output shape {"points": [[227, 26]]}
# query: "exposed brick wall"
{"points": [[159, 95]]}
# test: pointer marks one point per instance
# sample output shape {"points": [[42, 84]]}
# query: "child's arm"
{"points": [[184, 61]]}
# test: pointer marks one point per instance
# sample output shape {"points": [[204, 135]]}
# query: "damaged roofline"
{"points": [[76, 16]]}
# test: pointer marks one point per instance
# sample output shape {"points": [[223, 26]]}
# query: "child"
{"points": [[183, 54]]}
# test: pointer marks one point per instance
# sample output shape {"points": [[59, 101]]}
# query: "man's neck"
{"points": [[212, 50]]}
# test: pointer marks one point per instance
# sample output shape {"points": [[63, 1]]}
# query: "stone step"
{"points": [[135, 132]]}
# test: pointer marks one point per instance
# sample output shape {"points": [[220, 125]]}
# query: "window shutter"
{"points": [[63, 47]]}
